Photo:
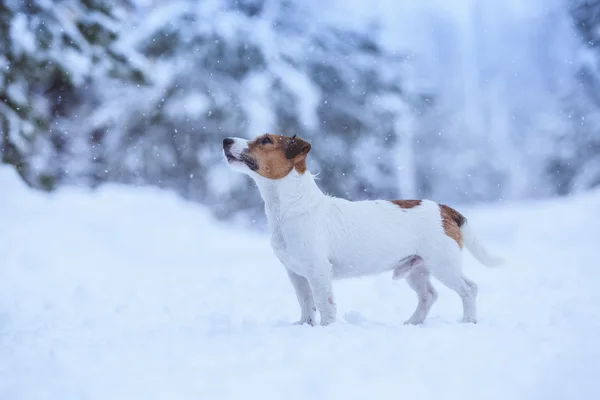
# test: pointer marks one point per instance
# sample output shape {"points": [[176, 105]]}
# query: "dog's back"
{"points": [[370, 237]]}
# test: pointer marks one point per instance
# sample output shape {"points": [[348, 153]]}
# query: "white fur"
{"points": [[477, 249], [319, 238]]}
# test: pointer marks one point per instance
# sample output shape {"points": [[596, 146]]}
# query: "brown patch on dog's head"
{"points": [[452, 220], [406, 203], [274, 156]]}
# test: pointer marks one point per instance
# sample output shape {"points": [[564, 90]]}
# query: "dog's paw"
{"points": [[305, 321], [327, 321], [413, 321]]}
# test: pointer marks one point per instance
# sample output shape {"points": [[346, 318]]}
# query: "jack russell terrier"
{"points": [[319, 238]]}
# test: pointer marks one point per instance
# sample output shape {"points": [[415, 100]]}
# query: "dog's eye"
{"points": [[266, 140]]}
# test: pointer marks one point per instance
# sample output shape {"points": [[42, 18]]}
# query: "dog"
{"points": [[319, 238]]}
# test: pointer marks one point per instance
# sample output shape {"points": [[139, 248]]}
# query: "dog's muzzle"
{"points": [[227, 143]]}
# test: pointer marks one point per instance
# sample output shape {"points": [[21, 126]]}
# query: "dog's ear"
{"points": [[295, 147]]}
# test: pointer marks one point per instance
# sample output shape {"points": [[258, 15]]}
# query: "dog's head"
{"points": [[270, 156]]}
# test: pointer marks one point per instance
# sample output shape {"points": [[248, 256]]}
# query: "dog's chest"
{"points": [[278, 242], [290, 245]]}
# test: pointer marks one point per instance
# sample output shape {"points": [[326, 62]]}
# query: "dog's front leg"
{"points": [[305, 298], [320, 283]]}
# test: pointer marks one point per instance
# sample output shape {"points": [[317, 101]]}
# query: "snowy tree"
{"points": [[242, 68], [487, 103], [576, 166], [49, 54]]}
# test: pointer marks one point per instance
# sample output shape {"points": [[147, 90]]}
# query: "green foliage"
{"points": [[231, 68], [49, 51]]}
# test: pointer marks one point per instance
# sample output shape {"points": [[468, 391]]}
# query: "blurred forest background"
{"points": [[456, 101]]}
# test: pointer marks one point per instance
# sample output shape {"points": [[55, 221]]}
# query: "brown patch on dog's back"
{"points": [[277, 155], [406, 203], [452, 220]]}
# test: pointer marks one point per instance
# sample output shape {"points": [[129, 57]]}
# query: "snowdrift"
{"points": [[133, 293]]}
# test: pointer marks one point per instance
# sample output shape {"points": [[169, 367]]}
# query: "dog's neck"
{"points": [[293, 195]]}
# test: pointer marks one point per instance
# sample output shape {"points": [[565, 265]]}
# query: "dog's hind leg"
{"points": [[419, 280], [450, 274], [406, 265]]}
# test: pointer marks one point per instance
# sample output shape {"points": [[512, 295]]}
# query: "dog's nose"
{"points": [[227, 142]]}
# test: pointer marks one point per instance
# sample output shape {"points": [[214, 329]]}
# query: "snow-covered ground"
{"points": [[127, 293]]}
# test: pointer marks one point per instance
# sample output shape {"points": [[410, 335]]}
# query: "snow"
{"points": [[191, 105], [22, 39], [127, 293], [255, 102]]}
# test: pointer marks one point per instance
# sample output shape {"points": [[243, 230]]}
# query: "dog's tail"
{"points": [[478, 249]]}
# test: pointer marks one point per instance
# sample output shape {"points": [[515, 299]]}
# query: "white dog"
{"points": [[319, 238]]}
